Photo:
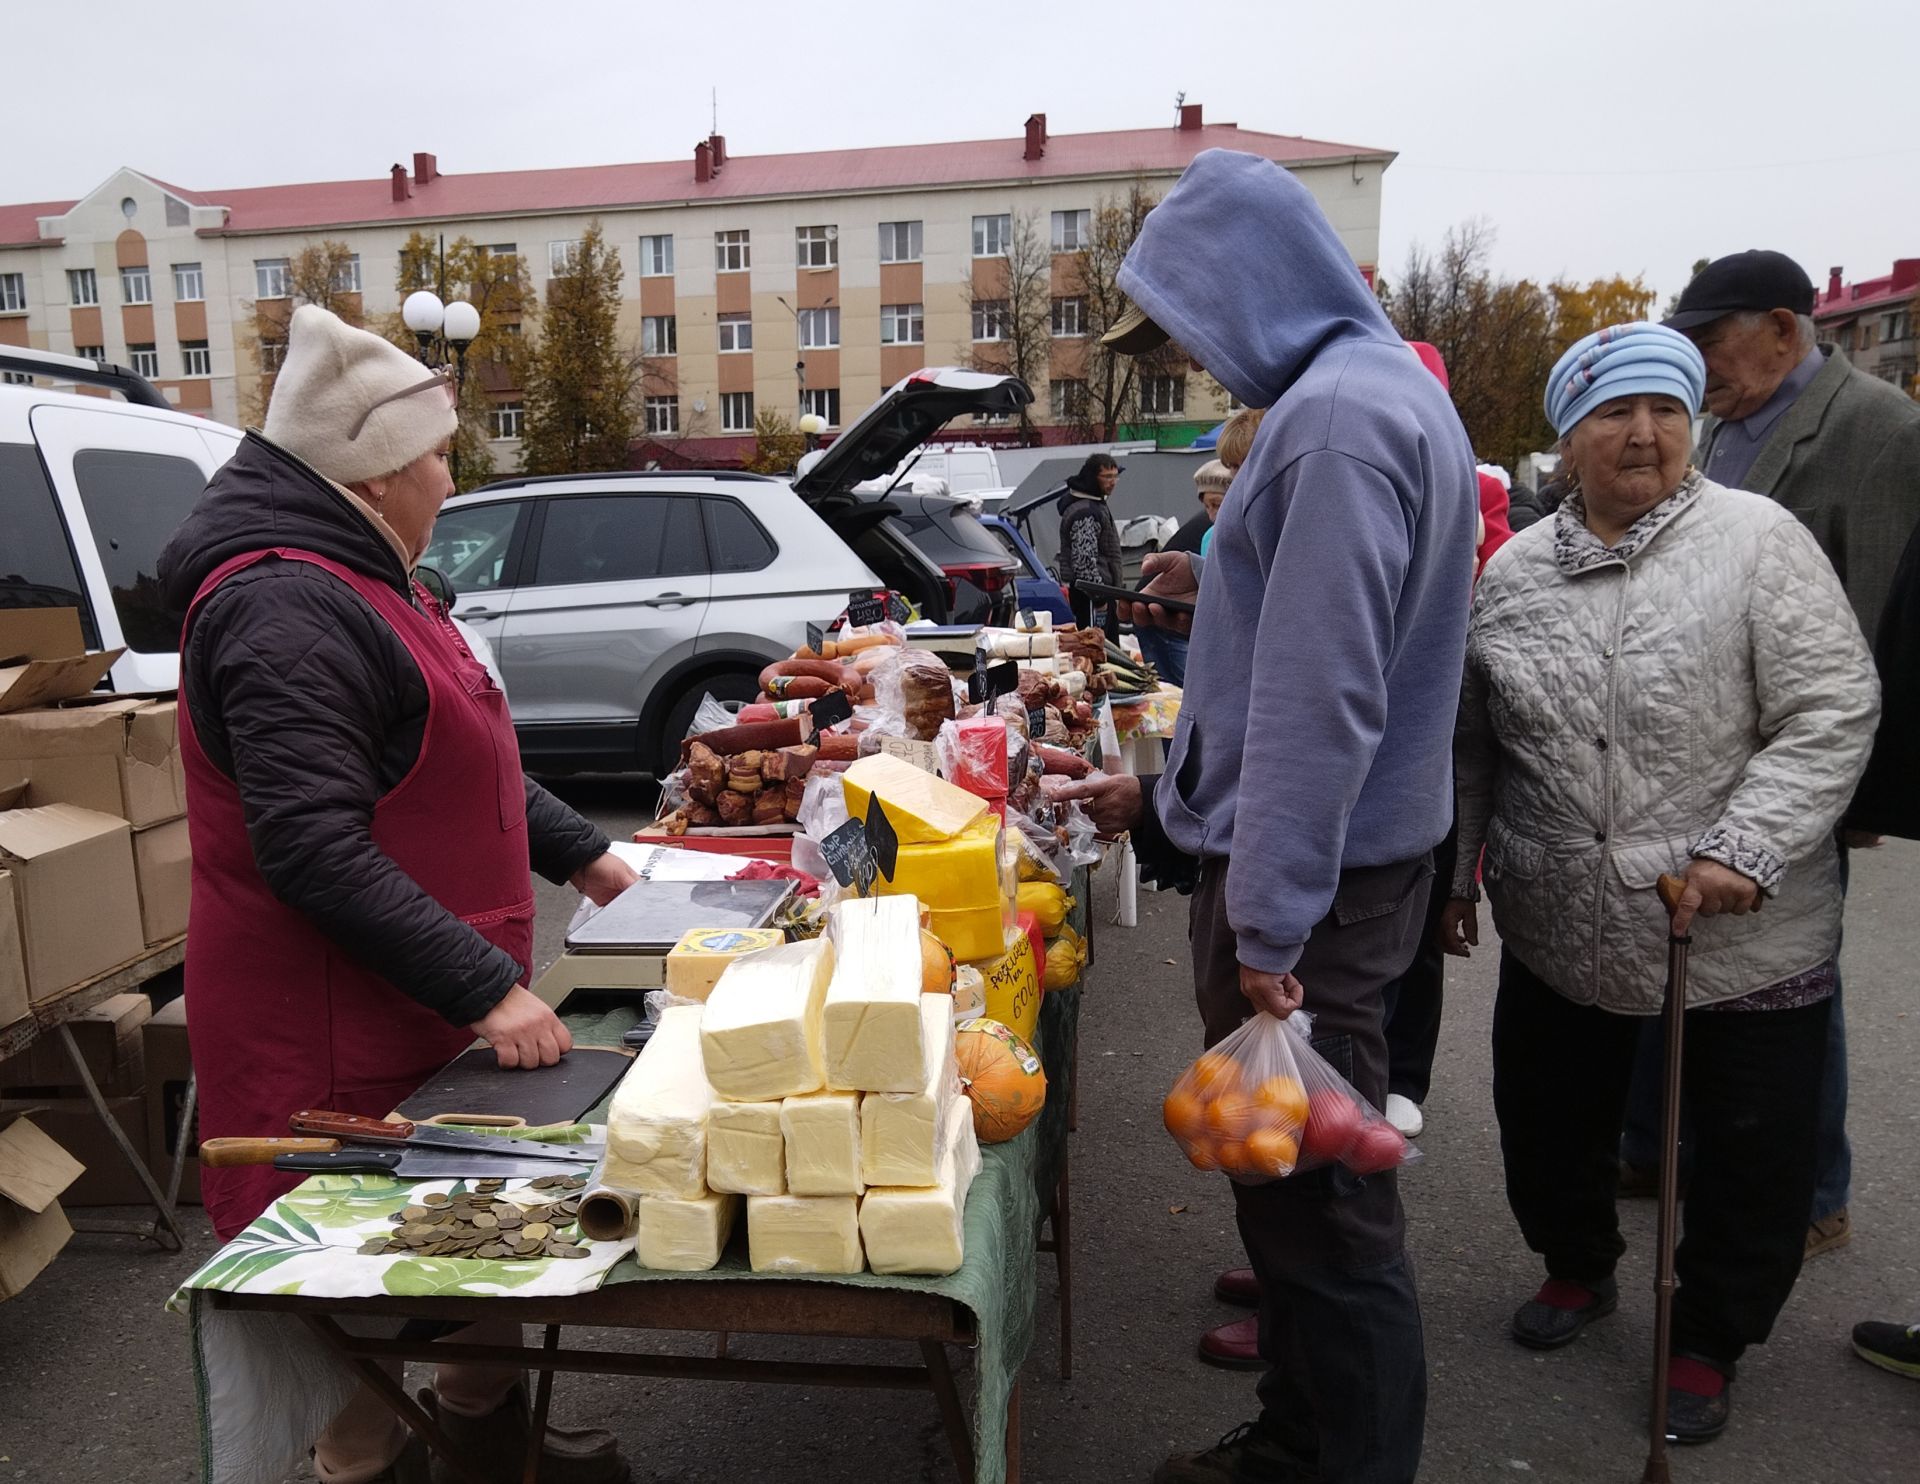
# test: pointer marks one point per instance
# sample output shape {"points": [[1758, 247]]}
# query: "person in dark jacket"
{"points": [[362, 832], [1090, 541]]}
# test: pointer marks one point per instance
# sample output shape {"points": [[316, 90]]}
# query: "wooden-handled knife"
{"points": [[329, 1156], [352, 1128]]}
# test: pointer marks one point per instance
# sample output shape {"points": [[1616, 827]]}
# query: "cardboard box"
{"points": [[106, 1179], [44, 658], [110, 1041], [163, 866], [33, 1229], [13, 964], [119, 755], [79, 906], [169, 1064]]}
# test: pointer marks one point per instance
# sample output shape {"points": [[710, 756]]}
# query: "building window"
{"points": [[823, 402], [663, 415], [82, 287], [1163, 396], [13, 292], [990, 236], [270, 278], [1895, 326], [1067, 399], [732, 252], [505, 419], [990, 319], [1070, 230], [819, 329], [736, 332], [656, 256], [95, 353], [136, 285], [189, 283], [899, 242], [273, 355], [659, 335], [817, 247], [143, 360], [502, 249], [195, 358], [561, 257], [736, 412], [1069, 317], [346, 275], [903, 324]]}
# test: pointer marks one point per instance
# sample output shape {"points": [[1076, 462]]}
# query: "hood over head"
{"points": [[1241, 267]]}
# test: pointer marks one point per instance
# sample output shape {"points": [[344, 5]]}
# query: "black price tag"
{"points": [[883, 845], [817, 639], [897, 608], [984, 686], [1036, 721], [830, 710], [864, 609], [848, 856], [1026, 619]]}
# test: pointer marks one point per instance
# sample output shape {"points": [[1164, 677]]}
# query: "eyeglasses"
{"points": [[438, 379]]}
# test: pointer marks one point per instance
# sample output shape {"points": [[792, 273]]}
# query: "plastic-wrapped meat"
{"points": [[706, 774]]}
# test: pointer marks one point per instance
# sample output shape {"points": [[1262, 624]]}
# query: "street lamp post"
{"points": [[812, 425], [800, 361], [443, 331]]}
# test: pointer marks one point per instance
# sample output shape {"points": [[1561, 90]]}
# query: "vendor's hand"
{"points": [[1459, 931], [1278, 994], [1112, 800], [523, 1030], [602, 879], [1166, 574], [1861, 840], [1712, 889]]}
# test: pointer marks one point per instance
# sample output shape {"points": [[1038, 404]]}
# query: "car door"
{"points": [[611, 595], [479, 547]]}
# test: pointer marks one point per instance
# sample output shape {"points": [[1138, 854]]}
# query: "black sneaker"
{"points": [[1557, 1314], [1892, 1347], [1247, 1455]]}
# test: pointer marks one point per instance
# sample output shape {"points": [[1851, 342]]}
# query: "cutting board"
{"points": [[473, 1088]]}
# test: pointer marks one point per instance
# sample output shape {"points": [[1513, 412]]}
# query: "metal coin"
{"points": [[373, 1248], [414, 1213], [486, 1220], [436, 1199]]}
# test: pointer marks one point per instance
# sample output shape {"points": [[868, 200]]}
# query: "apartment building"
{"points": [[1872, 324], [799, 282]]}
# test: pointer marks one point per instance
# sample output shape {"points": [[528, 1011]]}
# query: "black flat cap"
{"points": [[1750, 280]]}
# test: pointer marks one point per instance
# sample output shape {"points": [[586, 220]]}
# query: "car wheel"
{"points": [[731, 688]]}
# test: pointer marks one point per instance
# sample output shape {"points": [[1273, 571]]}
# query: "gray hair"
{"points": [[1806, 333]]}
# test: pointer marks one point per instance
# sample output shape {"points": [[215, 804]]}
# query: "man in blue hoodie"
{"points": [[1311, 774]]}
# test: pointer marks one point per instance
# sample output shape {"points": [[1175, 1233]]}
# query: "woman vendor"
{"points": [[362, 832]]}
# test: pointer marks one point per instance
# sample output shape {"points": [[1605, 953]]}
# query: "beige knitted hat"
{"points": [[353, 405], [1212, 475]]}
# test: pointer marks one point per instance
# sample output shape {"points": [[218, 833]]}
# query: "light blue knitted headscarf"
{"points": [[1620, 361]]}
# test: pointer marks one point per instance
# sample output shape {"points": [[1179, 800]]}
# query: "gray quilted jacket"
{"points": [[1701, 688]]}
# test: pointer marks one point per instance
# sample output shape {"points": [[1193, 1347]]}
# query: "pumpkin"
{"points": [[936, 965], [1001, 1077], [1066, 956]]}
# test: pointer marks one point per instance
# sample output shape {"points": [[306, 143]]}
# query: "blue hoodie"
{"points": [[1324, 672]]}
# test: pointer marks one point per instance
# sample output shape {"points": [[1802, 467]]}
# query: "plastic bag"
{"points": [[710, 715], [1264, 1104], [823, 806], [972, 754], [917, 687]]}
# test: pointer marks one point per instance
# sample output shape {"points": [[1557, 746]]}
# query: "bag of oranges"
{"points": [[1263, 1104]]}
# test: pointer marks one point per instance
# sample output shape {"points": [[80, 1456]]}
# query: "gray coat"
{"points": [[1845, 458], [1698, 689]]}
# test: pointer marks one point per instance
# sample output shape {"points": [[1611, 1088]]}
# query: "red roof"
{"points": [[1841, 299], [20, 225], [835, 172]]}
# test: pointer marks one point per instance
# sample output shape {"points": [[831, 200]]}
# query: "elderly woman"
{"points": [[1665, 677], [362, 832]]}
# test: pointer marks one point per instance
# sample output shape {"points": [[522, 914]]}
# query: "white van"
{"points": [[965, 467]]}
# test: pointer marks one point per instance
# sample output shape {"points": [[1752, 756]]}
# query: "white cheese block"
{"points": [[803, 1233], [900, 1132], [761, 1034], [1035, 622], [657, 1122], [923, 1230], [685, 1236], [746, 1152], [1007, 644], [871, 1024], [822, 1134]]}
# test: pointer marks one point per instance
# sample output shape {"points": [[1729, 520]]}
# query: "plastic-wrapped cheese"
{"points": [[657, 1122], [761, 1034], [952, 874], [822, 1135], [901, 1132], [871, 1024], [922, 808], [685, 1236], [923, 1230], [746, 1152], [803, 1233]]}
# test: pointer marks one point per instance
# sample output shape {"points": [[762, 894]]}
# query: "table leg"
{"points": [[162, 1208], [720, 1345], [183, 1142], [947, 1396], [395, 1396], [1013, 1435], [542, 1401]]}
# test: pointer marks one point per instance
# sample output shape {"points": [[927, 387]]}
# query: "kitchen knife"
{"points": [[351, 1128], [326, 1156]]}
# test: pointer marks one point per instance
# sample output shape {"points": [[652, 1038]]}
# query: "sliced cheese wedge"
{"points": [[761, 1035]]}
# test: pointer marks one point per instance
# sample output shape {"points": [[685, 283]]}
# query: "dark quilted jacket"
{"points": [[309, 701]]}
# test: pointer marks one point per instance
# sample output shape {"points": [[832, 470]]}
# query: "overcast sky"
{"points": [[1623, 137]]}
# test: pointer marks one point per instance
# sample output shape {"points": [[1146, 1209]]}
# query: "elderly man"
{"points": [[1841, 450], [1309, 777]]}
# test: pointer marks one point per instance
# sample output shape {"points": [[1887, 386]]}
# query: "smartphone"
{"points": [[1128, 595]]}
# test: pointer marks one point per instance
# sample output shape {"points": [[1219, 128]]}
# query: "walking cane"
{"points": [[1670, 889]]}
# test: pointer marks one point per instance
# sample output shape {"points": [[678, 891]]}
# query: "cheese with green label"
{"points": [[871, 1026], [761, 1037], [822, 1135], [746, 1152], [696, 962], [685, 1236], [921, 807], [804, 1233], [901, 1132], [923, 1230], [657, 1122]]}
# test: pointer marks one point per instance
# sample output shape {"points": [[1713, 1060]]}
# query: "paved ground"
{"points": [[94, 1380]]}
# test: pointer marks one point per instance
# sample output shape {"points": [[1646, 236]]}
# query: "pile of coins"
{"points": [[481, 1225]]}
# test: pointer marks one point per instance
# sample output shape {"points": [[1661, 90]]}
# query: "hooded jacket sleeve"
{"points": [[1317, 713], [304, 687]]}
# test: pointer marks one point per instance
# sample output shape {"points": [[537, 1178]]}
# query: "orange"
{"points": [[1233, 1157], [1273, 1151], [1232, 1113], [1201, 1154], [1285, 1099], [1185, 1114], [1213, 1074]]}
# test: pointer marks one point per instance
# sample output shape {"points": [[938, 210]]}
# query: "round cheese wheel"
{"points": [[1001, 1076]]}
